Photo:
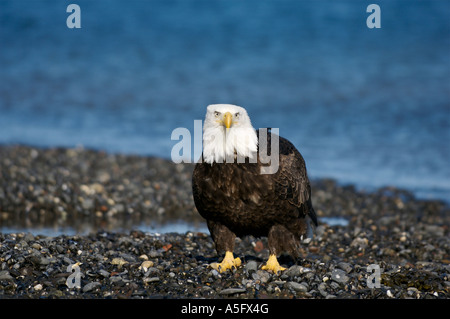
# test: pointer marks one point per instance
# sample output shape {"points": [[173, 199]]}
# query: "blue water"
{"points": [[365, 106]]}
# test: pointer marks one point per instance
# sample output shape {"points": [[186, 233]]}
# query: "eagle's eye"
{"points": [[216, 114], [236, 115]]}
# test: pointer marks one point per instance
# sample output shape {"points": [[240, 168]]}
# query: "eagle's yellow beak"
{"points": [[227, 119]]}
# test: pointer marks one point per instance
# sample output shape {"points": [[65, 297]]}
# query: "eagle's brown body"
{"points": [[237, 200]]}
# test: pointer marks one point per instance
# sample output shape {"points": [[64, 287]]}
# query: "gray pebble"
{"points": [[322, 289], [261, 275], [214, 273], [28, 237], [115, 279], [150, 271], [345, 267], [154, 254], [334, 285], [152, 279], [39, 260], [91, 286], [4, 275], [297, 286], [293, 271], [339, 276], [251, 266], [59, 249], [128, 257], [104, 273], [231, 291]]}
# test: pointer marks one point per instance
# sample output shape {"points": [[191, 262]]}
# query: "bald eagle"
{"points": [[237, 197]]}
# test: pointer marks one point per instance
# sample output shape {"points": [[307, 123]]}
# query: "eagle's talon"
{"points": [[228, 262], [273, 265]]}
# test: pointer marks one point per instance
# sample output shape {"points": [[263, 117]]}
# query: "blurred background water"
{"points": [[364, 106]]}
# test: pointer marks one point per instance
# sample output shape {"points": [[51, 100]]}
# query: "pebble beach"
{"points": [[393, 246]]}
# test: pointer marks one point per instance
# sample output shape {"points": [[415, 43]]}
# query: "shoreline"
{"points": [[407, 238]]}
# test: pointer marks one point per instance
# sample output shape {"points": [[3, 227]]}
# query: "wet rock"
{"points": [[297, 286], [251, 266], [293, 271], [323, 289], [39, 260], [339, 276], [261, 275], [232, 291], [345, 267], [104, 273], [152, 279], [5, 275], [91, 286]]}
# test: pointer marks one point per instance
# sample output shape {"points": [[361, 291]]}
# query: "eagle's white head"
{"points": [[228, 133]]}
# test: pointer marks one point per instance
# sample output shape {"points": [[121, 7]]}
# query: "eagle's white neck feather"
{"points": [[221, 145]]}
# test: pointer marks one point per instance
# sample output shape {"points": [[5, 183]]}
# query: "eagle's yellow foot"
{"points": [[228, 262], [273, 265]]}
